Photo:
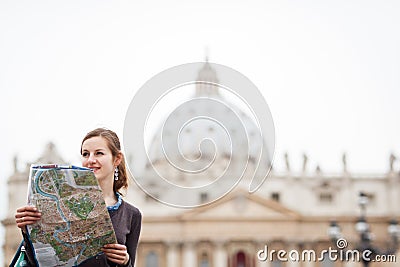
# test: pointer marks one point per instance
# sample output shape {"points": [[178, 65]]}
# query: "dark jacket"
{"points": [[127, 221]]}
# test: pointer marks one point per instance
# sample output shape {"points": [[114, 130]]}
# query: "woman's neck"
{"points": [[108, 193]]}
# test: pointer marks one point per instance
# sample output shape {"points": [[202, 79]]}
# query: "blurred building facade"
{"points": [[290, 211], [17, 185]]}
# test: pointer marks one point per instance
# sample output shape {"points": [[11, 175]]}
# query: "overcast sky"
{"points": [[329, 71]]}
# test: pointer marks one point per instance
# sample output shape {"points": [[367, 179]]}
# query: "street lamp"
{"points": [[334, 231], [363, 229]]}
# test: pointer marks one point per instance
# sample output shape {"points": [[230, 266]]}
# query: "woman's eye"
{"points": [[99, 153], [85, 154]]}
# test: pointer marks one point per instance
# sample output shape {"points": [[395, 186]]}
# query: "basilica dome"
{"points": [[206, 135]]}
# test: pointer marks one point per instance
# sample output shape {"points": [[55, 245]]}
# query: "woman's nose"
{"points": [[91, 159]]}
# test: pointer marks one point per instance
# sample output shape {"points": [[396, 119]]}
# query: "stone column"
{"points": [[189, 254], [220, 255], [295, 249], [350, 263], [172, 254], [306, 263], [260, 245], [266, 263]]}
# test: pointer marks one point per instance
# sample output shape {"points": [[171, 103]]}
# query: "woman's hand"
{"points": [[116, 253], [27, 215]]}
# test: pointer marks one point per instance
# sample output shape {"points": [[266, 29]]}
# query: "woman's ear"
{"points": [[118, 159]]}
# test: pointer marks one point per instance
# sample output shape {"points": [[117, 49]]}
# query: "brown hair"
{"points": [[115, 147]]}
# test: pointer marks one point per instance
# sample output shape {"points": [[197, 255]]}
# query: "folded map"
{"points": [[75, 222]]}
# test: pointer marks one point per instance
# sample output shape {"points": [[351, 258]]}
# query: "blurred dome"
{"points": [[204, 132]]}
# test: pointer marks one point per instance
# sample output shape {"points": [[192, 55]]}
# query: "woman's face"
{"points": [[97, 156]]}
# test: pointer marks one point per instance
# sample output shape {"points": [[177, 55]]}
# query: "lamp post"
{"points": [[364, 232]]}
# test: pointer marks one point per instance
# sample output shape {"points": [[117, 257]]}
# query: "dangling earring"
{"points": [[116, 174]]}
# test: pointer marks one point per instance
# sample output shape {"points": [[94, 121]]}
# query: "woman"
{"points": [[101, 152]]}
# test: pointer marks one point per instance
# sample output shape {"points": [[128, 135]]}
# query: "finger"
{"points": [[28, 214], [115, 257], [27, 219], [25, 222], [115, 252], [27, 208], [116, 246], [118, 260]]}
